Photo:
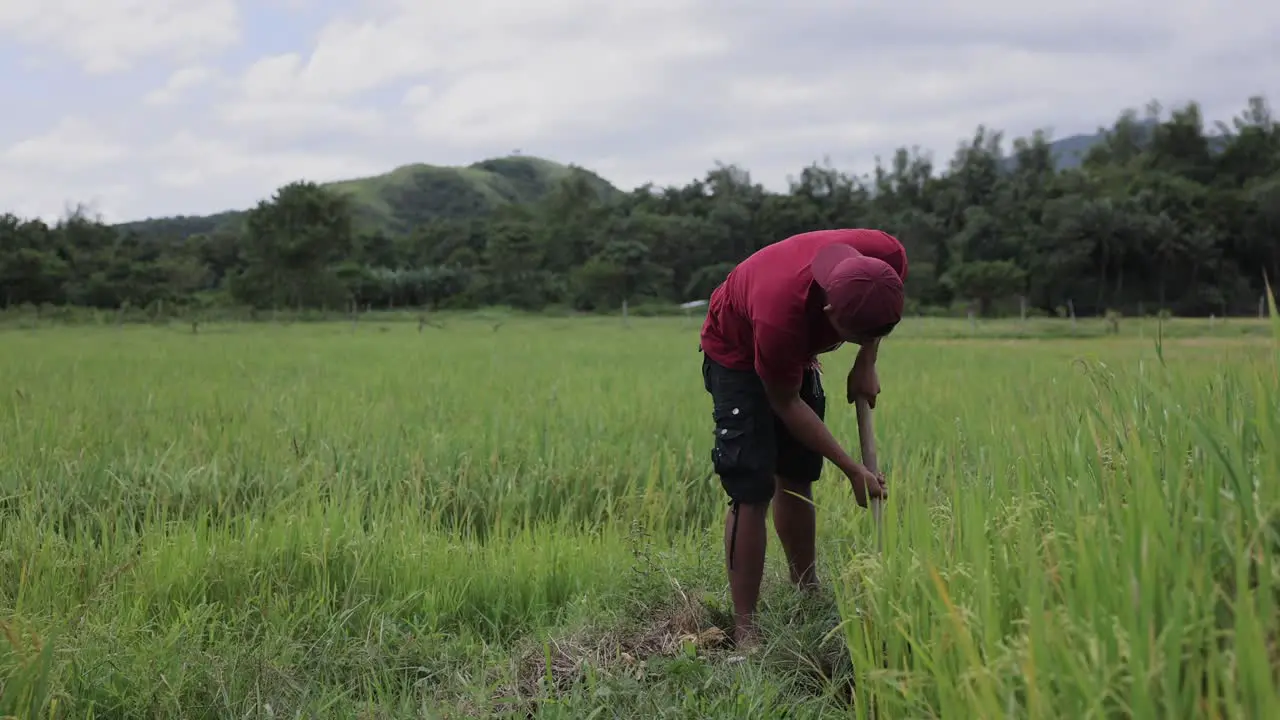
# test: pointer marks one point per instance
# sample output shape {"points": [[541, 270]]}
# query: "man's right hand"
{"points": [[866, 484]]}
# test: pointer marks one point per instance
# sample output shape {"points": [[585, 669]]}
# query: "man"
{"points": [[766, 323]]}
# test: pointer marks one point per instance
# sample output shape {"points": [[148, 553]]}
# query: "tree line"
{"points": [[1159, 215]]}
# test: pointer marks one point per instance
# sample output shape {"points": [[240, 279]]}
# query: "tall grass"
{"points": [[262, 521], [1105, 548]]}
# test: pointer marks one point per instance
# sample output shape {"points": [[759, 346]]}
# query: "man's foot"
{"points": [[746, 638], [808, 585], [817, 598], [746, 643]]}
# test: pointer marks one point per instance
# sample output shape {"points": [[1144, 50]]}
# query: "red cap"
{"points": [[865, 292]]}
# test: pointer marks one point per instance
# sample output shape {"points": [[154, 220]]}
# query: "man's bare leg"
{"points": [[745, 558], [794, 519]]}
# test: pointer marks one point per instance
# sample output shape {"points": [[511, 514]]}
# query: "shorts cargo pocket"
{"points": [[729, 453]]}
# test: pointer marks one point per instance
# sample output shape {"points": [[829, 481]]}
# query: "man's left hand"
{"points": [[863, 382]]}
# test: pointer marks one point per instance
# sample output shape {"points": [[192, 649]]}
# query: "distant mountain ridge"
{"points": [[1070, 152], [398, 201]]}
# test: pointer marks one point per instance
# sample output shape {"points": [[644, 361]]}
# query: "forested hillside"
{"points": [[1161, 213], [398, 201]]}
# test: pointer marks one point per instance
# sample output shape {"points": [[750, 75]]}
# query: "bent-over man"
{"points": [[766, 324]]}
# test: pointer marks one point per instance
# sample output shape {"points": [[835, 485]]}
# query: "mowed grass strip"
{"points": [[517, 517]]}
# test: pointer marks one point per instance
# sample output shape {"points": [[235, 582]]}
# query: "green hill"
{"points": [[413, 194], [399, 200]]}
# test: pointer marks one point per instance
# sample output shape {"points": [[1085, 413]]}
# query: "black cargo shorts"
{"points": [[752, 444]]}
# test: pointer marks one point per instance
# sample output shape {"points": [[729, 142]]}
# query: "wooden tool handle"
{"points": [[867, 435], [867, 438]]}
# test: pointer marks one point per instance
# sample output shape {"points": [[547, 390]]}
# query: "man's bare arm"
{"points": [[862, 378], [808, 428], [867, 352]]}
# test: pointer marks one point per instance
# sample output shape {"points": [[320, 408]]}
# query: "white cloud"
{"points": [[113, 35], [214, 169], [291, 118], [179, 82], [417, 96], [72, 145], [586, 83], [51, 201], [640, 92], [51, 174], [510, 70]]}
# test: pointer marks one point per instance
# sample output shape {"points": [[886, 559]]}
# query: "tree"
{"points": [[292, 246], [985, 281]]}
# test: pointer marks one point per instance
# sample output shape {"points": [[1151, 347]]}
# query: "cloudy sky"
{"points": [[141, 108]]}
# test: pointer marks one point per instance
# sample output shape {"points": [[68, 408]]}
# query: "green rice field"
{"points": [[506, 516]]}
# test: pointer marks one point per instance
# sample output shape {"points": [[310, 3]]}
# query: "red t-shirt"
{"points": [[761, 317]]}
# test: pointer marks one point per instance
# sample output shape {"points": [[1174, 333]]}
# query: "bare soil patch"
{"points": [[683, 626]]}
